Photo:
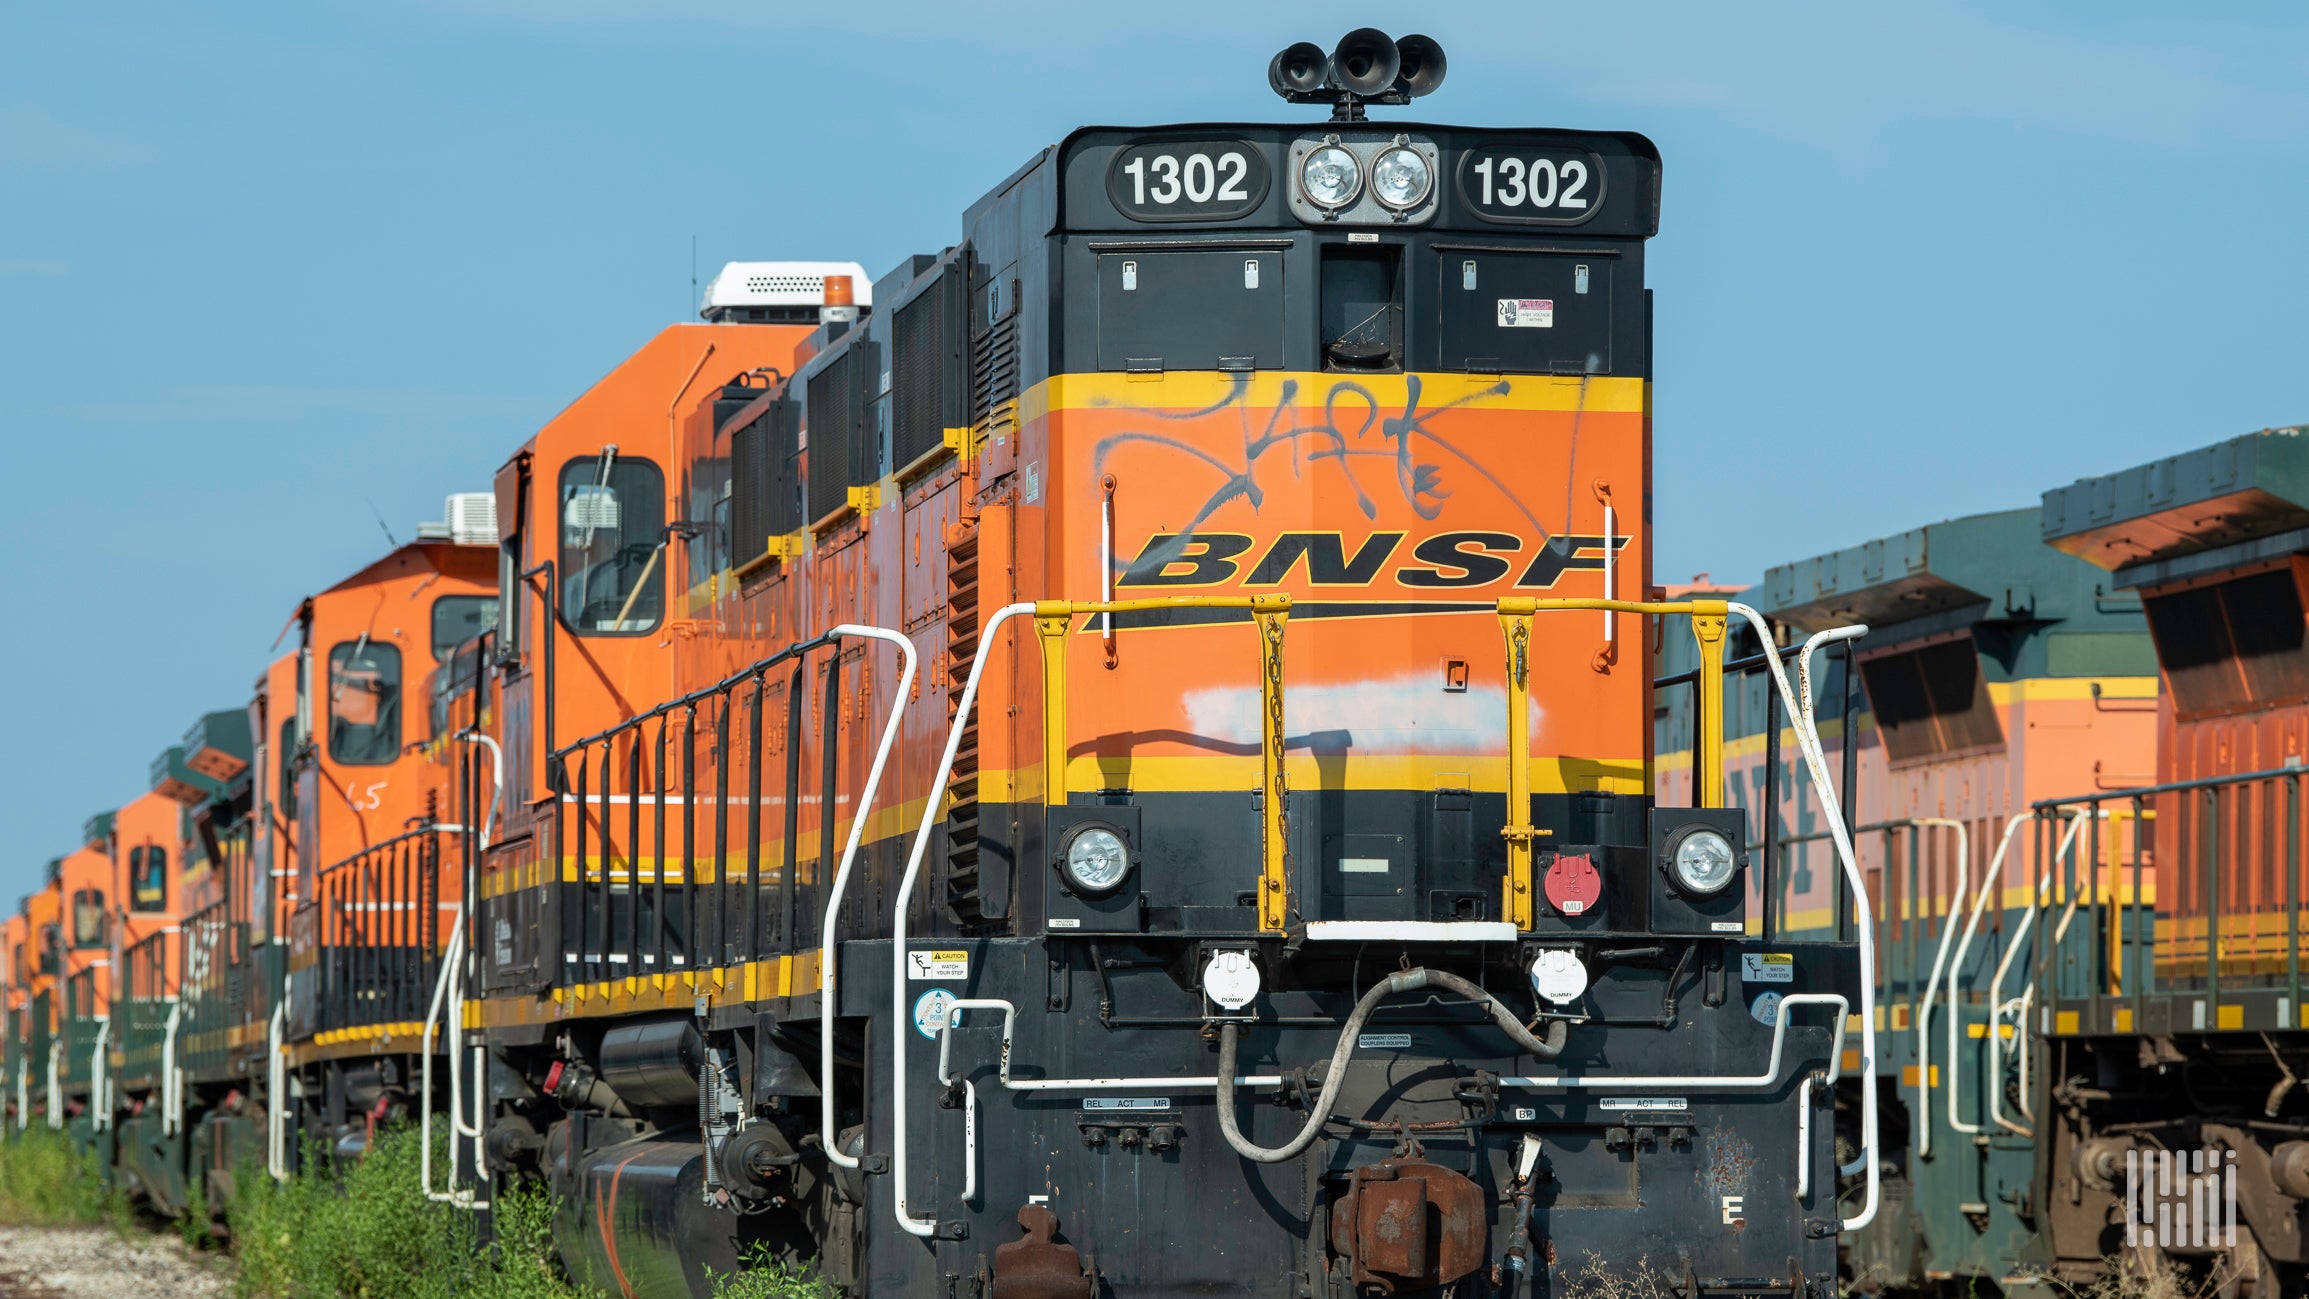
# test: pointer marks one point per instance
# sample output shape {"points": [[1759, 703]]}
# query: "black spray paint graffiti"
{"points": [[1355, 426]]}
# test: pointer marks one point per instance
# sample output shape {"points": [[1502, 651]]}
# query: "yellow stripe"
{"points": [[1196, 389], [777, 976]]}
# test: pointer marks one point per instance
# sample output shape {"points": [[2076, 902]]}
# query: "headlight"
{"points": [[1704, 861], [1331, 177], [1096, 861], [1400, 178]]}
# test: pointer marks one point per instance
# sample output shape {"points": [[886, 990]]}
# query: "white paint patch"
{"points": [[1409, 714]]}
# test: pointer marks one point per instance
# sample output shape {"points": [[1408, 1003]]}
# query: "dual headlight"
{"points": [[1332, 176]]}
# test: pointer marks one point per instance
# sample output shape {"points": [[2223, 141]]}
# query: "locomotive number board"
{"points": [[1189, 180], [1531, 186], [1240, 174]]}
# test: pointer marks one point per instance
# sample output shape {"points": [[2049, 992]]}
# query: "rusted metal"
{"points": [[1037, 1266], [1408, 1225]]}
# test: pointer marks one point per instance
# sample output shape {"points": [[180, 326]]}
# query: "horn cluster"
{"points": [[1365, 67]]}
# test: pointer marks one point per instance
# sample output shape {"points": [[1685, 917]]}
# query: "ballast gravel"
{"points": [[96, 1263]]}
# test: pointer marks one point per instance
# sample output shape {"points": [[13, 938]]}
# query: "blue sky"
{"points": [[263, 263]]}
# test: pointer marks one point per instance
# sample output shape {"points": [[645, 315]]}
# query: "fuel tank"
{"points": [[632, 1218]]}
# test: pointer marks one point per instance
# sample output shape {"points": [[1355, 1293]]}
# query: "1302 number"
{"points": [[1193, 179], [1541, 182]]}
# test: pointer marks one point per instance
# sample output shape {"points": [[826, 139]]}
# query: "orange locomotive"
{"points": [[1101, 651]]}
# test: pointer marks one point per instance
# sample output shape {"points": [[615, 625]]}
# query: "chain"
{"points": [[1271, 627]]}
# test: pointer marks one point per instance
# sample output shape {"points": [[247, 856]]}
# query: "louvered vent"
{"points": [[758, 467], [832, 418], [927, 376]]}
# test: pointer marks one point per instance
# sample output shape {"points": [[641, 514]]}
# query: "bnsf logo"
{"points": [[1449, 559]]}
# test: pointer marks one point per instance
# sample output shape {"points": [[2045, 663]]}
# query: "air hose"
{"points": [[1546, 1048]]}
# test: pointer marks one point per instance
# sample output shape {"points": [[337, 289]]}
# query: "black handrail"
{"points": [[695, 924]]}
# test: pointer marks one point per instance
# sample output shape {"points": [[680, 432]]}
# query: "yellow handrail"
{"points": [[1515, 615], [1053, 619]]}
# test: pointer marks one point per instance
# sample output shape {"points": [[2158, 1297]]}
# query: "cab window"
{"points": [[88, 918], [612, 569], [364, 703], [459, 618], [148, 878]]}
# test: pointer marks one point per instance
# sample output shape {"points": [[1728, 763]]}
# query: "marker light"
{"points": [[1331, 177], [1704, 861], [1400, 178], [1096, 860]]}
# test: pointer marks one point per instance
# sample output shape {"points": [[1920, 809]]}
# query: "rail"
{"points": [[2226, 919], [623, 920], [1769, 843], [379, 924], [1054, 620]]}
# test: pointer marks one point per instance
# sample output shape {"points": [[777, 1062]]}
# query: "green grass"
{"points": [[373, 1235], [763, 1276], [44, 1184]]}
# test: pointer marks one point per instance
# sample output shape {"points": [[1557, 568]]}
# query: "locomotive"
{"points": [[1115, 758]]}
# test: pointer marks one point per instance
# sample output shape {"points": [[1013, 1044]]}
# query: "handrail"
{"points": [[1991, 880], [1932, 981], [452, 958], [2021, 930], [1816, 761], [1054, 620], [841, 883], [1519, 891]]}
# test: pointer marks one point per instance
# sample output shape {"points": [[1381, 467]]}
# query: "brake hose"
{"points": [[1401, 981]]}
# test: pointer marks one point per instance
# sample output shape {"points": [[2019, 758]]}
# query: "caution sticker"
{"points": [[1527, 313], [938, 965], [1768, 967]]}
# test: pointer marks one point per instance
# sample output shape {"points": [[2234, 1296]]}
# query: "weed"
{"points": [[763, 1275], [45, 1183], [1597, 1279], [370, 1233]]}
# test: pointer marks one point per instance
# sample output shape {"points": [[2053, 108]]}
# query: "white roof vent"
{"points": [[779, 292], [471, 521]]}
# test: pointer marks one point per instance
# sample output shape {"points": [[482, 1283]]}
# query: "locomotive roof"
{"points": [[1989, 566], [2216, 507]]}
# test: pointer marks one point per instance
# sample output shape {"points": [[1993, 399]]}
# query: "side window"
{"points": [[287, 762], [459, 618], [50, 940], [148, 878], [88, 918], [612, 570], [364, 703]]}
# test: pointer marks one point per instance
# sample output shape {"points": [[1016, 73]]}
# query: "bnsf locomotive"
{"points": [[1115, 759]]}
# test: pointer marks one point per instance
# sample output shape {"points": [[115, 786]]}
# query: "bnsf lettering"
{"points": [[1450, 559], [1326, 556], [1204, 559], [1452, 564]]}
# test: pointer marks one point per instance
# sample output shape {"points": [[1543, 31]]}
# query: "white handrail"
{"points": [[171, 1082], [441, 983], [448, 995], [99, 1112], [1815, 759], [826, 940], [276, 1089], [1932, 980], [1991, 881], [2012, 946], [55, 1089], [1769, 1077], [901, 1023]]}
